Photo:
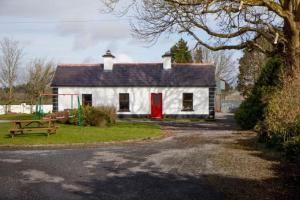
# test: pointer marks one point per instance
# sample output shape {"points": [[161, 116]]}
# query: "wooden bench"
{"points": [[22, 126]]}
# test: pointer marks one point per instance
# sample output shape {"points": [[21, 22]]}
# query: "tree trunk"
{"points": [[31, 107], [291, 49], [296, 46], [5, 109], [291, 30], [10, 98]]}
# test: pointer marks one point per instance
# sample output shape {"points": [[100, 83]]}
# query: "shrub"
{"points": [[110, 113], [283, 110], [252, 110], [92, 116], [99, 116], [292, 149], [62, 117]]}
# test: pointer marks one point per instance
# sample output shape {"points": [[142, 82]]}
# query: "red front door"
{"points": [[156, 105]]}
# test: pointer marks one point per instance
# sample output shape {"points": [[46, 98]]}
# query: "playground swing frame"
{"points": [[39, 106]]}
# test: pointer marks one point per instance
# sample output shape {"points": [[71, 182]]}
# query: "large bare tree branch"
{"points": [[221, 47], [270, 4], [229, 24]]}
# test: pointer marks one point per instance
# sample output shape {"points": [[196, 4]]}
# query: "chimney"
{"points": [[167, 60], [108, 60]]}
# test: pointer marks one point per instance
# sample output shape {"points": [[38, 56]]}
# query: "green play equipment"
{"points": [[39, 110]]}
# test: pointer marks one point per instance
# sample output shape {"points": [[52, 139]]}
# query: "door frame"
{"points": [[154, 115]]}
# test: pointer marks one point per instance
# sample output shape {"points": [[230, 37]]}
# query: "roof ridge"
{"points": [[206, 63], [78, 65], [134, 75], [146, 63]]}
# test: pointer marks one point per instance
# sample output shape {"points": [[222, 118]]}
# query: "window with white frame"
{"points": [[187, 102]]}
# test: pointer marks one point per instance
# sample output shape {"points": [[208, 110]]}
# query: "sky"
{"points": [[75, 31]]}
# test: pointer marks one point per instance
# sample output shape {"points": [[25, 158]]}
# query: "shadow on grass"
{"points": [[26, 135]]}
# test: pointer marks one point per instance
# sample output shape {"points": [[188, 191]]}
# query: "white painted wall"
{"points": [[140, 98], [24, 108]]}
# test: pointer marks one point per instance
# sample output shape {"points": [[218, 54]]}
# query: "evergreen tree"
{"points": [[180, 52], [252, 110]]}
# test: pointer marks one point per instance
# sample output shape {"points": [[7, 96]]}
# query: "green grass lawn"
{"points": [[69, 134], [16, 117]]}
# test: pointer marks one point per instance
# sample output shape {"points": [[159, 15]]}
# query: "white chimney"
{"points": [[108, 60], [167, 60]]}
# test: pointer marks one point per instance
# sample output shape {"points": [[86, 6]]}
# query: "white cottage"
{"points": [[154, 90]]}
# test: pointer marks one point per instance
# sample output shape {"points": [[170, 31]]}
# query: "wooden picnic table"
{"points": [[22, 126]]}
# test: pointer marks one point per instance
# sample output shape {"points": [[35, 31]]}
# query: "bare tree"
{"points": [[230, 24], [10, 57], [39, 77], [225, 67], [250, 66], [225, 64]]}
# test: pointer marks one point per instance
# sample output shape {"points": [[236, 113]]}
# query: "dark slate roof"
{"points": [[135, 75]]}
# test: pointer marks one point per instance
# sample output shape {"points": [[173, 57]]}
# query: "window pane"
{"points": [[124, 102], [187, 102], [124, 97], [87, 100], [188, 96]]}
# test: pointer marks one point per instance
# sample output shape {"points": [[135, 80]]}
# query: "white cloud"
{"points": [[97, 27], [89, 59], [73, 42], [123, 58], [54, 9], [120, 58], [90, 34]]}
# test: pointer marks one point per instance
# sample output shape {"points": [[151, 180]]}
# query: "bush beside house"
{"points": [[252, 110], [273, 110], [282, 119], [101, 116]]}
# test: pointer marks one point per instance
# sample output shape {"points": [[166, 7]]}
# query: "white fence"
{"points": [[23, 108]]}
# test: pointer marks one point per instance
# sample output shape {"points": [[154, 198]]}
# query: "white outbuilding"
{"points": [[154, 90]]}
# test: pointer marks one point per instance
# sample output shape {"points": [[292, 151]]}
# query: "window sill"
{"points": [[123, 111], [187, 110]]}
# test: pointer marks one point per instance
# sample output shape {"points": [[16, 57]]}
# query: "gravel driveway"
{"points": [[197, 161]]}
